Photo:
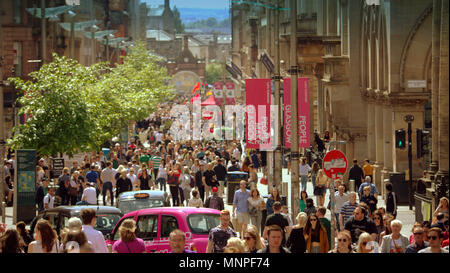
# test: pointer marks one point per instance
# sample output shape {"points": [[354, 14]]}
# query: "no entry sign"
{"points": [[334, 164]]}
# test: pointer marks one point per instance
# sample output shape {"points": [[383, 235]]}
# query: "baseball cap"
{"points": [[214, 189]]}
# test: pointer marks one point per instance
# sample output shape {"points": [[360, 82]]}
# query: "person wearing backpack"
{"points": [[214, 201], [391, 200]]}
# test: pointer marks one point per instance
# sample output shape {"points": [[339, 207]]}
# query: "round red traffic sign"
{"points": [[334, 164]]}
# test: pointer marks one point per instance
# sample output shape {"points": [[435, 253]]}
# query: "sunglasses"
{"points": [[433, 237], [313, 219], [248, 238], [418, 233]]}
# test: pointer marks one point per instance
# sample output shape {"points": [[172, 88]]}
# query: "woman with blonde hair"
{"points": [[253, 241], [234, 245], [296, 241], [442, 208], [364, 239], [46, 239], [128, 242]]}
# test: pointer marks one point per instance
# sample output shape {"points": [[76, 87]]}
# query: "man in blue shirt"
{"points": [[240, 204], [373, 189], [93, 177]]}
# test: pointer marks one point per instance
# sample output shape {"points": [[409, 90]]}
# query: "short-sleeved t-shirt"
{"points": [[279, 220], [219, 238], [357, 227], [156, 161], [136, 246], [241, 200], [144, 159], [347, 210], [92, 176]]}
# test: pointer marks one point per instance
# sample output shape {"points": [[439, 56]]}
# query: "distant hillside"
{"points": [[189, 15]]}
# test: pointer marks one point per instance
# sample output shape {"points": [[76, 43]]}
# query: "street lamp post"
{"points": [[277, 173], [295, 187]]}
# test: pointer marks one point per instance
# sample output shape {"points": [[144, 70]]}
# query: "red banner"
{"points": [[257, 98], [218, 92], [303, 113], [229, 93]]}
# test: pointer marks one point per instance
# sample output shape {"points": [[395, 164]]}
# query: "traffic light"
{"points": [[422, 142], [400, 139]]}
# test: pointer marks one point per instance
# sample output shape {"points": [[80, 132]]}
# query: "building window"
{"points": [[17, 11], [17, 46]]}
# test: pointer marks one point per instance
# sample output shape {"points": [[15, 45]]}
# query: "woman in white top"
{"points": [[39, 174], [256, 205], [133, 178], [46, 239], [162, 175], [185, 185], [195, 201]]}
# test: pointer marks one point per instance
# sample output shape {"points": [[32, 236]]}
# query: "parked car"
{"points": [[135, 200], [155, 225], [107, 217]]}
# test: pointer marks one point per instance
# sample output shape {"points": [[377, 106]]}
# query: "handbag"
{"points": [[263, 181]]}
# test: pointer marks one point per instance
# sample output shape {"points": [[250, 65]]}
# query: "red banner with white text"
{"points": [[303, 113], [257, 101]]}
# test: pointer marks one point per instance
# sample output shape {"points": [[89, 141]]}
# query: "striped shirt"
{"points": [[347, 211], [156, 161]]}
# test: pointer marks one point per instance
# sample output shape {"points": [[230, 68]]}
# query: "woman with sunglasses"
{"points": [[363, 245], [344, 244], [315, 236], [378, 220], [252, 240]]}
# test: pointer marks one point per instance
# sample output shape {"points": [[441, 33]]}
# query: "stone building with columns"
{"points": [[370, 64]]}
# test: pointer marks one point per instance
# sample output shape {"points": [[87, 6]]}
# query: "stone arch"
{"points": [[415, 50]]}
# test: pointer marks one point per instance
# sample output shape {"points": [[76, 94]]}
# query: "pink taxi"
{"points": [[154, 226]]}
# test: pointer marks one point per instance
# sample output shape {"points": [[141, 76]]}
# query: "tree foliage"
{"points": [[72, 108], [179, 26], [214, 72]]}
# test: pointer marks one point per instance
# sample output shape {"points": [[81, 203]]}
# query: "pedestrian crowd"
{"points": [[195, 175]]}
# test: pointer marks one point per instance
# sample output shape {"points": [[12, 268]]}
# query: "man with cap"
{"points": [[214, 201]]}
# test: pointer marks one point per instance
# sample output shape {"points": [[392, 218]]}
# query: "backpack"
{"points": [[214, 203]]}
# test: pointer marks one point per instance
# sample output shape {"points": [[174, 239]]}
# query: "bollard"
{"points": [[352, 185]]}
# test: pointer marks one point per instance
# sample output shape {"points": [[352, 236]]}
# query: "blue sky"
{"points": [[201, 4]]}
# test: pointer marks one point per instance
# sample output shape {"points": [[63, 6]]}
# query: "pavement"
{"points": [[406, 216]]}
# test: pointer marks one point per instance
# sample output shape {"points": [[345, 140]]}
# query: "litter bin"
{"points": [[233, 180], [400, 187]]}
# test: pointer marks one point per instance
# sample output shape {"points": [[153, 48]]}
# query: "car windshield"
{"points": [[127, 206], [202, 223], [106, 222]]}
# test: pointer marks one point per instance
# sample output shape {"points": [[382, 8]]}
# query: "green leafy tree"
{"points": [[179, 26], [58, 115], [73, 108], [128, 92], [214, 72]]}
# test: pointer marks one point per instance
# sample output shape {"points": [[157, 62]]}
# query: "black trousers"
{"points": [[174, 191]]}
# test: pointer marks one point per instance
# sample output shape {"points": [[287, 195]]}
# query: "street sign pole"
{"points": [[334, 165]]}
